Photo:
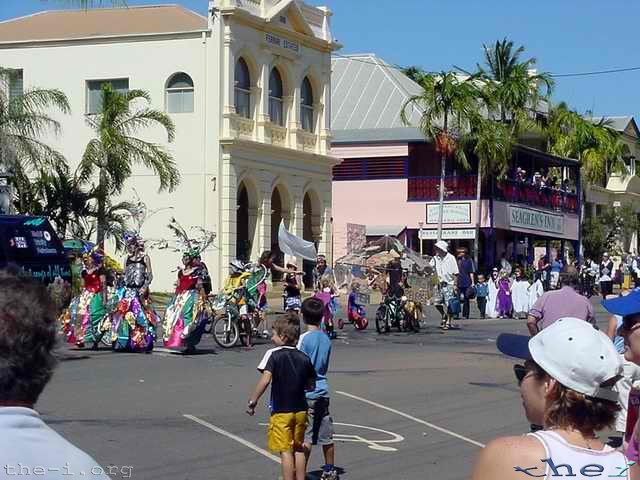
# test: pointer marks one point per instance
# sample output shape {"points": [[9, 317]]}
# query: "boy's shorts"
{"points": [[320, 425], [286, 431]]}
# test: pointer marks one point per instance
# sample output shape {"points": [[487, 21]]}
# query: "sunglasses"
{"points": [[520, 372]]}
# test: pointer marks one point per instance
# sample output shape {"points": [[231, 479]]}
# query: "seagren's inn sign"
{"points": [[535, 220]]}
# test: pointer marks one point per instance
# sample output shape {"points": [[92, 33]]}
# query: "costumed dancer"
{"points": [[186, 315], [520, 294], [505, 303], [184, 319], [82, 320], [134, 322], [492, 299]]}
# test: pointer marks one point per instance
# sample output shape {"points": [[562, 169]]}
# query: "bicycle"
{"points": [[389, 314], [231, 326]]}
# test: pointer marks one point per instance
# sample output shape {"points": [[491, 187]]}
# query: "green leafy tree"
{"points": [[609, 231], [115, 149], [24, 121]]}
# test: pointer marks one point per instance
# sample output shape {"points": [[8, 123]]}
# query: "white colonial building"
{"points": [[248, 89]]}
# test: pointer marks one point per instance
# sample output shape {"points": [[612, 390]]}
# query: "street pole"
{"points": [[443, 160], [420, 224]]}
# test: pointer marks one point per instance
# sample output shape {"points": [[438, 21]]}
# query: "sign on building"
{"points": [[448, 234], [453, 213], [356, 237], [535, 220]]}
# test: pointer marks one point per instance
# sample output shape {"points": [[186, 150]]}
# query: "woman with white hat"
{"points": [[566, 384]]}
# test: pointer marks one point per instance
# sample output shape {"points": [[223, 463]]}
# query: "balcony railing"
{"points": [[427, 189], [520, 192]]}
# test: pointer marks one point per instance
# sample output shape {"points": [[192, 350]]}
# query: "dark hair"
{"points": [[265, 257], [312, 311], [27, 338], [288, 328], [570, 409], [570, 279]]}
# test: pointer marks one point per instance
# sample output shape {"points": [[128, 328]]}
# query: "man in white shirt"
{"points": [[447, 269], [27, 338]]}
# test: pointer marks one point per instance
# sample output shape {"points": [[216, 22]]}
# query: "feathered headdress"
{"points": [[94, 252], [191, 247]]}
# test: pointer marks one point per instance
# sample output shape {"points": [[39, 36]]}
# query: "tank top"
{"points": [[560, 454]]}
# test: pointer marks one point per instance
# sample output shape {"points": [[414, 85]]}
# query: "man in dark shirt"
{"points": [[291, 374], [465, 279]]}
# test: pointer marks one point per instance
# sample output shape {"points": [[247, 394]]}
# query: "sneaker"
{"points": [[332, 475]]}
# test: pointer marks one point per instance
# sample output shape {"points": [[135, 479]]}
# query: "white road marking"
{"points": [[411, 417], [230, 435], [372, 444]]}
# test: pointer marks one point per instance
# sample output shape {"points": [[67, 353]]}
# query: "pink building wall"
{"points": [[378, 203]]}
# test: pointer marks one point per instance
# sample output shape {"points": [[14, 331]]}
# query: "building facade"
{"points": [[249, 90], [389, 179]]}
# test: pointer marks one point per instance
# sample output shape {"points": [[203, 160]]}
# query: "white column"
{"points": [[228, 76], [324, 113], [262, 108], [228, 211]]}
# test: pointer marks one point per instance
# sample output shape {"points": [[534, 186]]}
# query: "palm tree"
{"points": [[448, 103], [116, 149], [24, 120], [594, 142], [512, 84]]}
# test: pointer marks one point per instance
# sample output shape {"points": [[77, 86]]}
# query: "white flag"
{"points": [[295, 246]]}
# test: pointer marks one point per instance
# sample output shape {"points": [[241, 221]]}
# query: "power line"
{"points": [[554, 75]]}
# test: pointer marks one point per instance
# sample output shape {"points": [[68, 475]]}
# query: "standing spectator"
{"points": [[447, 271], [466, 280], [321, 269], [606, 276], [625, 318], [482, 292], [555, 269], [317, 346], [566, 302], [566, 383], [291, 374], [505, 302], [28, 325]]}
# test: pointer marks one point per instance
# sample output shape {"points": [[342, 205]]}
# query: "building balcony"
{"points": [[241, 127], [427, 189], [275, 134], [519, 192]]}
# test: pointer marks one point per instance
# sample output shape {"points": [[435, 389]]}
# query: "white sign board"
{"points": [[535, 220], [448, 234], [453, 213]]}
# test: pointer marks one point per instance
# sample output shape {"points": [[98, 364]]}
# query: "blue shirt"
{"points": [[618, 341], [482, 289], [317, 346], [556, 266], [466, 268]]}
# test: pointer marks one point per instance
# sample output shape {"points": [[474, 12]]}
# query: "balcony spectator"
{"points": [[537, 180]]}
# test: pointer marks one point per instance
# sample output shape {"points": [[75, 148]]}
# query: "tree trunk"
{"points": [[443, 163], [102, 207], [478, 213]]}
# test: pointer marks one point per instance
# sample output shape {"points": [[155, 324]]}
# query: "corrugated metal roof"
{"points": [[368, 93], [372, 135]]}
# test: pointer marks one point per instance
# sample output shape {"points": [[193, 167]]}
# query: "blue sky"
{"points": [[566, 36]]}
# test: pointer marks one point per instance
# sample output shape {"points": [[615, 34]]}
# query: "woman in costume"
{"points": [[520, 294], [492, 299], [82, 320], [134, 322], [505, 303], [184, 319]]}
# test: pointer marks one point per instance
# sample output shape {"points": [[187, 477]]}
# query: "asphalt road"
{"points": [[406, 406]]}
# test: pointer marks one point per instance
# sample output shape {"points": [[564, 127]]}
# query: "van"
{"points": [[31, 244]]}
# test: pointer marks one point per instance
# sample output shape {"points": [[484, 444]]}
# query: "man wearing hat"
{"points": [[447, 270]]}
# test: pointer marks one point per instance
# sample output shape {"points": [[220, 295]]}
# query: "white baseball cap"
{"points": [[442, 245], [574, 352]]}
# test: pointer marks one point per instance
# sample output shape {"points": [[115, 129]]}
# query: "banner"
{"points": [[295, 246]]}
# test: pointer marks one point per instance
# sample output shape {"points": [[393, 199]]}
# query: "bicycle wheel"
{"points": [[381, 319], [225, 331]]}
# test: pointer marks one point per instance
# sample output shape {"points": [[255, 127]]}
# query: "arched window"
{"points": [[243, 89], [180, 93], [306, 105], [275, 98]]}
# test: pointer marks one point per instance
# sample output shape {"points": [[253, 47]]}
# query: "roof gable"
{"points": [[293, 14], [97, 23]]}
